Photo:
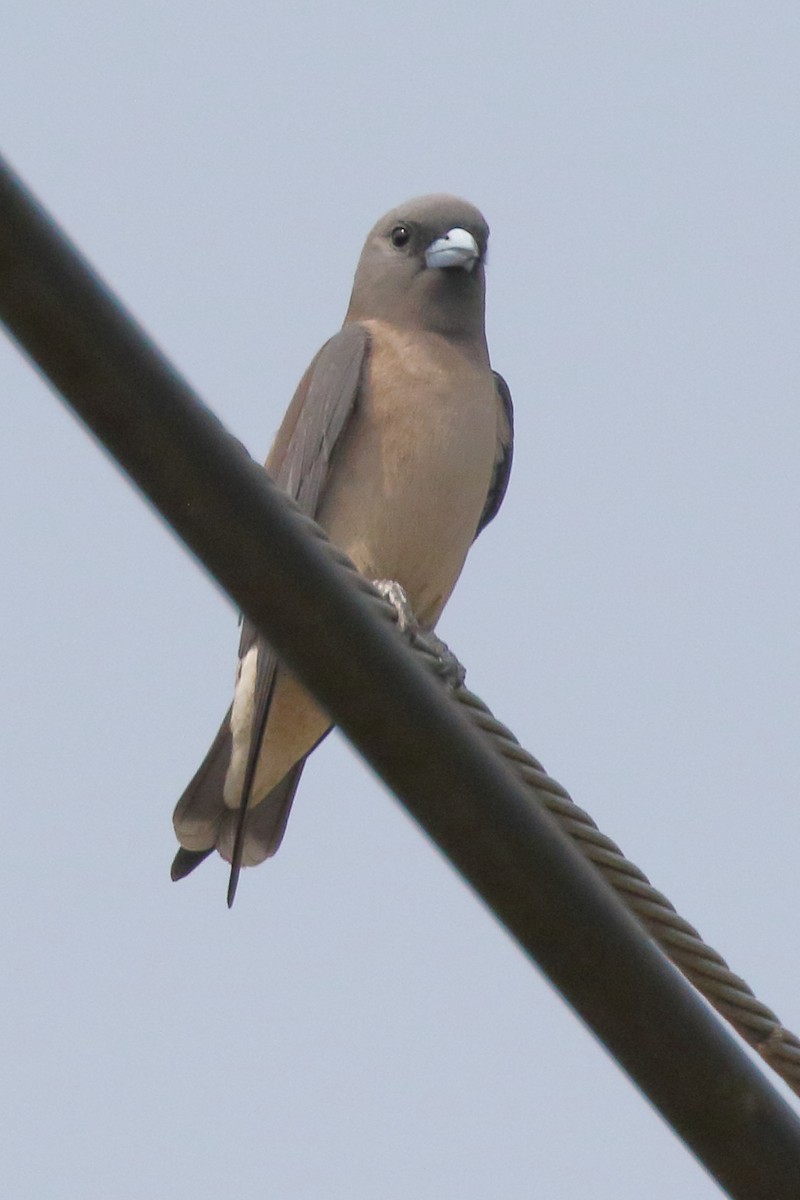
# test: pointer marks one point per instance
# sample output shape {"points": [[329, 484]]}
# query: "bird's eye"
{"points": [[401, 236]]}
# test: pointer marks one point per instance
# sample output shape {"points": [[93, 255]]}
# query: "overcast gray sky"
{"points": [[358, 1026]]}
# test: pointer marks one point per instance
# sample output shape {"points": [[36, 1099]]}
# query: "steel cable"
{"points": [[703, 966]]}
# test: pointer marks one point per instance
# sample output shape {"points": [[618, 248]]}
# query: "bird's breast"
{"points": [[412, 472]]}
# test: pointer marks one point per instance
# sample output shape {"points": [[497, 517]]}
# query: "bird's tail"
{"points": [[203, 822]]}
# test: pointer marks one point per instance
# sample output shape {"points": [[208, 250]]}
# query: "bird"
{"points": [[398, 442]]}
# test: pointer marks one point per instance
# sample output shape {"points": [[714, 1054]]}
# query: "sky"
{"points": [[359, 1025]]}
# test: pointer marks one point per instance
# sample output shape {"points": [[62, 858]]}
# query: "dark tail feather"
{"points": [[201, 808], [267, 822], [264, 690], [264, 825], [185, 862]]}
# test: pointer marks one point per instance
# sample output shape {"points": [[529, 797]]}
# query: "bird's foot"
{"points": [[450, 669], [392, 591], [444, 662]]}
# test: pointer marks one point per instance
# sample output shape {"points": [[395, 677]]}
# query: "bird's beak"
{"points": [[457, 248]]}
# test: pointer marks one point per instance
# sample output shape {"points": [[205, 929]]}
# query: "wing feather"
{"points": [[505, 453]]}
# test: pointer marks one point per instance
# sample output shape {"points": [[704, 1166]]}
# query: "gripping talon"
{"points": [[445, 663], [449, 669], [395, 593]]}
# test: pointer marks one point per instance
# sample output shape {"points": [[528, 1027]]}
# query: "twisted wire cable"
{"points": [[703, 966]]}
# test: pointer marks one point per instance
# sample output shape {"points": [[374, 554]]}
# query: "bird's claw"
{"points": [[392, 591], [444, 662], [450, 669]]}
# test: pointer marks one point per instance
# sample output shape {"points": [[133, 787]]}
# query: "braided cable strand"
{"points": [[703, 966]]}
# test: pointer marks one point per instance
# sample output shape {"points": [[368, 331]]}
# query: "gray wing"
{"points": [[299, 462], [505, 453], [300, 458]]}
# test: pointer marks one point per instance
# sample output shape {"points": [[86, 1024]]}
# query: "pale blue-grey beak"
{"points": [[457, 248]]}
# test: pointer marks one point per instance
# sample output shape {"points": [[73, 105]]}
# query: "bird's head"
{"points": [[422, 267]]}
